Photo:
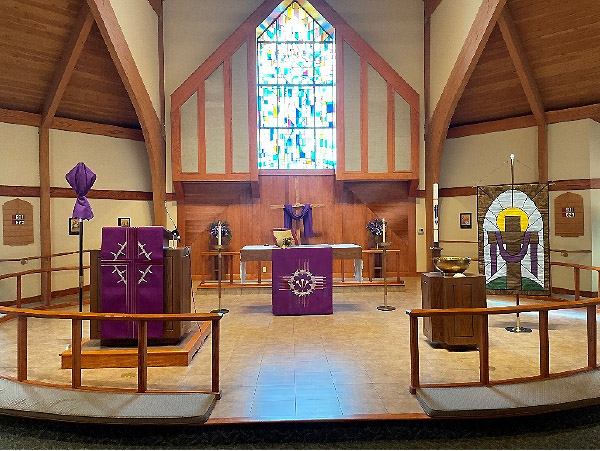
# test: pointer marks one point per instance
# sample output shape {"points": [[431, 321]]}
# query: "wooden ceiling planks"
{"points": [[34, 34], [560, 41], [494, 90], [95, 92]]}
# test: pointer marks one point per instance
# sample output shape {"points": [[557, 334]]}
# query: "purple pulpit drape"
{"points": [[81, 178], [132, 278], [302, 281], [305, 215]]}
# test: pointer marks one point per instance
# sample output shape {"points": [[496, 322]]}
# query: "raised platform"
{"points": [[91, 406], [559, 393], [95, 356]]}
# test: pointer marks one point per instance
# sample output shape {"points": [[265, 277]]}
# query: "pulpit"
{"points": [[441, 291], [134, 272]]}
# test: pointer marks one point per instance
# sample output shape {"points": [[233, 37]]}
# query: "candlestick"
{"points": [[435, 213], [219, 235], [383, 222]]}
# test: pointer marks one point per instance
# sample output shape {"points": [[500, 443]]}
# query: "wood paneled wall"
{"points": [[348, 206]]}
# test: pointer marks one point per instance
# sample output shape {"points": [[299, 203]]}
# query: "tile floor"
{"points": [[354, 362]]}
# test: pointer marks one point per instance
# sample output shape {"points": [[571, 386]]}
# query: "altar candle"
{"points": [[219, 235], [383, 221], [435, 213]]}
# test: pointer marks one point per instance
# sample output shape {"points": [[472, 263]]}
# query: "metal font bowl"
{"points": [[452, 265]]}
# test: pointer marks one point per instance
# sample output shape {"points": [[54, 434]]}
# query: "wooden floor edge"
{"points": [[409, 416]]}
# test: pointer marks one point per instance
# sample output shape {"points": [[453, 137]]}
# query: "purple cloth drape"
{"points": [[305, 215], [519, 255], [81, 178]]}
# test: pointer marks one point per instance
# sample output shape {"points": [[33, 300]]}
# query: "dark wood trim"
{"points": [[114, 131], [45, 233], [399, 175], [157, 6], [59, 192], [20, 117], [542, 153], [584, 293], [153, 131], [430, 6], [512, 123], [161, 62], [294, 172], [519, 59], [65, 69]]}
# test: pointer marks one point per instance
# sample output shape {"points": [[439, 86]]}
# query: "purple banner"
{"points": [[302, 281]]}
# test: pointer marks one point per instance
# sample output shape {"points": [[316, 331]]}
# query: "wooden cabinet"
{"points": [[176, 294], [439, 291]]}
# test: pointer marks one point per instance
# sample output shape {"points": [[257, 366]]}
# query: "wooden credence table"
{"points": [[259, 254]]}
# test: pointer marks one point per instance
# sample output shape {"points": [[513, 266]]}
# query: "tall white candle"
{"points": [[383, 221], [219, 235], [436, 220]]}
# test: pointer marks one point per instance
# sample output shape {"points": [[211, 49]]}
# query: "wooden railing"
{"points": [[24, 260], [142, 321], [483, 315], [19, 276], [577, 275]]}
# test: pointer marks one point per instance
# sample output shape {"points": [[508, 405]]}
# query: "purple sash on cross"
{"points": [[305, 215]]}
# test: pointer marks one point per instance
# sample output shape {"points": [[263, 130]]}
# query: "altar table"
{"points": [[257, 253], [302, 281]]}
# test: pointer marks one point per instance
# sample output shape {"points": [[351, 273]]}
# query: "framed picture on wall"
{"points": [[124, 222], [73, 226], [465, 220]]}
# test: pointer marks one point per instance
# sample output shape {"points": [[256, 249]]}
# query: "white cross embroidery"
{"points": [[143, 251], [120, 273], [122, 250], [148, 270]]}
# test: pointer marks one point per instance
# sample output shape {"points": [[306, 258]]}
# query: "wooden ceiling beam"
{"points": [[132, 80], [519, 59], [65, 69], [513, 123], [430, 6], [62, 123], [156, 6]]}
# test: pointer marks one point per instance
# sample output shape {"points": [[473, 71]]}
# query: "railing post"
{"points": [[577, 278], [19, 295], [591, 336], [142, 356], [544, 344], [484, 352], [75, 353], [22, 348], [215, 356], [414, 354]]}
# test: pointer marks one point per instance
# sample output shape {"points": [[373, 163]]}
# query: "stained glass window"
{"points": [[296, 89]]}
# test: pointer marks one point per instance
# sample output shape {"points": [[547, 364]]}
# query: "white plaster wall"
{"points": [[139, 23], [19, 153], [449, 24], [569, 150], [485, 159], [118, 163], [595, 197]]}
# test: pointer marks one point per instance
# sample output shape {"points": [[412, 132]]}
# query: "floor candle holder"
{"points": [[518, 328], [385, 307], [219, 272]]}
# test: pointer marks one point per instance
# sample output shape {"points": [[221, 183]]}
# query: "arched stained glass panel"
{"points": [[296, 89]]}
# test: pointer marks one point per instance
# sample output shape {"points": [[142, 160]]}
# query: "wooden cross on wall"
{"points": [[296, 205]]}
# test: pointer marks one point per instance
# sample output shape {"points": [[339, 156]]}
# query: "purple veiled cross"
{"points": [[81, 178], [305, 215]]}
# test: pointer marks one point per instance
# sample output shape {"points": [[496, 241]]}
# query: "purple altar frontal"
{"points": [[302, 281], [132, 278]]}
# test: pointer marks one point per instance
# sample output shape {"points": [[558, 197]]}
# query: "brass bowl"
{"points": [[452, 265]]}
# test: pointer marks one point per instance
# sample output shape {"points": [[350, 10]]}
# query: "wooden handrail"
{"points": [[575, 265], [142, 320], [38, 257], [39, 270], [483, 313]]}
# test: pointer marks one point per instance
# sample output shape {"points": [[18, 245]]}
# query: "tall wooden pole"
{"points": [[45, 237]]}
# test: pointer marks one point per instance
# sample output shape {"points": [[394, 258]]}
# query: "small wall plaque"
{"points": [[465, 221], [17, 215]]}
